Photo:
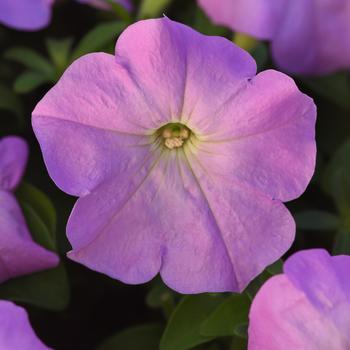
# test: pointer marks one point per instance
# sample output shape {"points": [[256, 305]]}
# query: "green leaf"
{"points": [[144, 337], [227, 316], [40, 214], [31, 60], [121, 12], [10, 102], [336, 180], [239, 343], [183, 329], [245, 41], [335, 87], [275, 268], [261, 55], [59, 51], [152, 8], [98, 37], [204, 25], [242, 330], [256, 284], [46, 289], [160, 296], [316, 220], [28, 81], [342, 242]]}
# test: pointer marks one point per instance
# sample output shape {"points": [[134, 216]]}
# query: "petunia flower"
{"points": [[36, 14], [305, 308], [307, 36], [15, 329], [19, 254], [25, 14], [181, 157]]}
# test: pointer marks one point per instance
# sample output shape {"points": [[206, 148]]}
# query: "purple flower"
{"points": [[25, 14], [19, 254], [36, 14], [15, 329], [181, 157], [307, 36], [306, 308]]}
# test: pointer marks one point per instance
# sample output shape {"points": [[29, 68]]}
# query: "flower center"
{"points": [[174, 135]]}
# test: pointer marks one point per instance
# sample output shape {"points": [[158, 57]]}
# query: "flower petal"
{"points": [[19, 255], [315, 273], [120, 238], [281, 317], [15, 331], [24, 14], [265, 138], [91, 124], [255, 229], [148, 224], [178, 70], [259, 18], [221, 251], [313, 37], [13, 160]]}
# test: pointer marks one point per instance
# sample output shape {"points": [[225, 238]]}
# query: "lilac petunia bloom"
{"points": [[181, 157], [36, 14], [307, 36], [306, 308], [19, 254], [15, 330]]}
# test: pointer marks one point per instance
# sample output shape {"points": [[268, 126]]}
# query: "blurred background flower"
{"points": [[306, 308], [307, 36], [15, 331]]}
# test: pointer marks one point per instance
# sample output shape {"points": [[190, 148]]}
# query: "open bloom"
{"points": [[181, 157], [19, 254], [36, 14], [15, 329], [305, 308], [307, 36]]}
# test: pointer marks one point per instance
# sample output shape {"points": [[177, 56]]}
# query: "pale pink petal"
{"points": [[90, 125], [148, 224], [178, 70], [264, 138]]}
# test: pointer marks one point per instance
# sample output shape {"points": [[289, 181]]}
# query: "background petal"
{"points": [[19, 254], [13, 160], [259, 18], [315, 273], [15, 331], [24, 14], [281, 316], [313, 37]]}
